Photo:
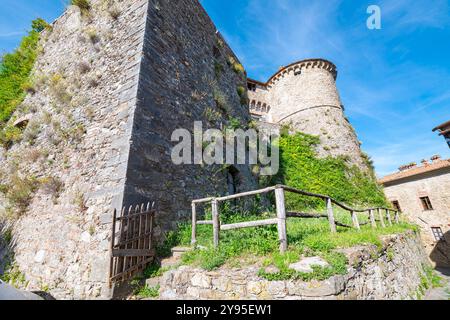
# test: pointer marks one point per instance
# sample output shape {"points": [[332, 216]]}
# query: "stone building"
{"points": [[422, 193], [304, 95], [110, 87], [444, 130]]}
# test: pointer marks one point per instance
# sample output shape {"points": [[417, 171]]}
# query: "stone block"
{"points": [[201, 280], [222, 283], [306, 265], [277, 288]]}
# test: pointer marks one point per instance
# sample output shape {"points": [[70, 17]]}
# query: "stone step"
{"points": [[177, 252]]}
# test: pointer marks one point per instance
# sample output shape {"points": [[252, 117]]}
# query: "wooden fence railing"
{"points": [[131, 242], [384, 214]]}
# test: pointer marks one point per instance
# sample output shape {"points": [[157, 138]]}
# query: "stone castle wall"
{"points": [[305, 96], [109, 93], [392, 273], [408, 192], [179, 85], [81, 122]]}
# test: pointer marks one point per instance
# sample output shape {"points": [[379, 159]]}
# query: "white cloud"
{"points": [[11, 34]]}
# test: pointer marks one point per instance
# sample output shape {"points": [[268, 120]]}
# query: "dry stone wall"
{"points": [[393, 273]]}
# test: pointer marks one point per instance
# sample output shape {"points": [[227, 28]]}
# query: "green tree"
{"points": [[15, 69]]}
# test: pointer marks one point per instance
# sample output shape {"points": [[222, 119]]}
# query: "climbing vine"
{"points": [[301, 168]]}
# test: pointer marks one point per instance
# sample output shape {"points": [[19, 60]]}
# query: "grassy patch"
{"points": [[13, 276], [19, 192], [153, 271], [147, 292], [306, 237], [431, 278]]}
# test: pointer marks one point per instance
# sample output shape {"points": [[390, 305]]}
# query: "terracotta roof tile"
{"points": [[442, 126], [416, 171]]}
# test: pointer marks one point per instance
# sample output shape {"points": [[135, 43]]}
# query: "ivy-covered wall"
{"points": [[301, 168]]}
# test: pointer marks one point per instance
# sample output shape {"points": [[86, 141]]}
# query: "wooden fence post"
{"points": [[397, 217], [383, 225], [388, 214], [216, 222], [372, 219], [331, 216], [355, 220], [281, 215], [194, 224], [113, 243]]}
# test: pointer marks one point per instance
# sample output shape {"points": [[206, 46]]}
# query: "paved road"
{"points": [[9, 293], [444, 292]]}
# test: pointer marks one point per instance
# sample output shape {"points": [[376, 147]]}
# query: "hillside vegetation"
{"points": [[15, 70]]}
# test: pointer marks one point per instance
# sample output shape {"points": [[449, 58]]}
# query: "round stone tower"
{"points": [[304, 95]]}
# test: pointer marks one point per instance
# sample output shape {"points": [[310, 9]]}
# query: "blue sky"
{"points": [[394, 82]]}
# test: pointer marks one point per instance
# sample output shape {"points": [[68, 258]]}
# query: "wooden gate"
{"points": [[131, 242]]}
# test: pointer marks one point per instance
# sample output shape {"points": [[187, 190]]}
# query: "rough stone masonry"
{"points": [[393, 272], [111, 86]]}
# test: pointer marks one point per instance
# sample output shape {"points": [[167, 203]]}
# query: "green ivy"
{"points": [[301, 168]]}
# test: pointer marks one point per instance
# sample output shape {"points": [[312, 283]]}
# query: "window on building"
{"points": [[438, 234], [251, 86], [396, 205], [426, 203]]}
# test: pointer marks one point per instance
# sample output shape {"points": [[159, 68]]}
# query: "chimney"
{"points": [[436, 158], [425, 163], [408, 167]]}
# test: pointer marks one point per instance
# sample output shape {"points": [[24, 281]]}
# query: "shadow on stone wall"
{"points": [[441, 252], [7, 245]]}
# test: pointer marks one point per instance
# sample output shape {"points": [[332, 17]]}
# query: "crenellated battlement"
{"points": [[297, 68], [304, 95]]}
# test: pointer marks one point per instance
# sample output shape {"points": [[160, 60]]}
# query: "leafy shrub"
{"points": [[58, 87], [13, 276], [221, 100], [10, 135], [20, 191], [40, 25], [212, 115], [32, 131], [84, 5], [236, 66], [29, 87], [79, 200], [218, 68], [242, 92], [93, 36], [147, 292], [302, 169]]}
